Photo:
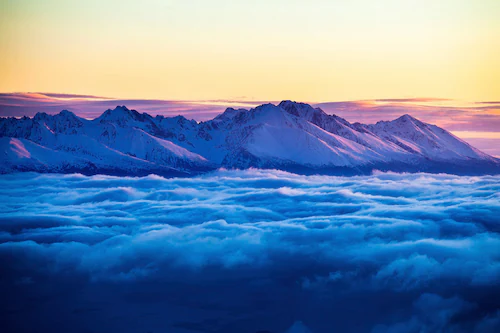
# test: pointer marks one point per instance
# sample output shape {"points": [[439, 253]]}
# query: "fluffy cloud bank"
{"points": [[248, 251]]}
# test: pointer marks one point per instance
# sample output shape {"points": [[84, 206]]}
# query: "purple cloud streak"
{"points": [[481, 116]]}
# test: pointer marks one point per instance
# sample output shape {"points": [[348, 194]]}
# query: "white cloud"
{"points": [[391, 233]]}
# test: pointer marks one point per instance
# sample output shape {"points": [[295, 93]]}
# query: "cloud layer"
{"points": [[88, 106], [243, 251]]}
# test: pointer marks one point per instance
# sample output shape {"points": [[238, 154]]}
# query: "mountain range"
{"points": [[289, 136]]}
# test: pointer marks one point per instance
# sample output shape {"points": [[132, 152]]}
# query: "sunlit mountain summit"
{"points": [[289, 136]]}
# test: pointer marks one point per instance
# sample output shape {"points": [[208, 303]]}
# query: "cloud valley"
{"points": [[249, 251]]}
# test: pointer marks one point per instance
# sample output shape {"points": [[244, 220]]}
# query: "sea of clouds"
{"points": [[250, 251]]}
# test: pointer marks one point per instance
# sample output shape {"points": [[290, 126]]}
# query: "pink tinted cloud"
{"points": [[478, 117], [483, 118], [412, 100], [89, 106]]}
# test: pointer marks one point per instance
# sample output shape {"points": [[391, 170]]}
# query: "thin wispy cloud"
{"points": [[412, 100], [489, 102], [476, 117], [89, 106]]}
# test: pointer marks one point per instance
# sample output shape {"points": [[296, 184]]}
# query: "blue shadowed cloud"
{"points": [[261, 250]]}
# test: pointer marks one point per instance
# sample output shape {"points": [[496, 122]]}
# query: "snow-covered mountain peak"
{"points": [[265, 108], [407, 118], [67, 114], [229, 114], [405, 123], [122, 116], [120, 108], [300, 109], [268, 113], [39, 116], [65, 120], [265, 114], [64, 114], [289, 136], [119, 112], [58, 123]]}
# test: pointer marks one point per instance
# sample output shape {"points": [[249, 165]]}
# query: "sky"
{"points": [[363, 60], [313, 51]]}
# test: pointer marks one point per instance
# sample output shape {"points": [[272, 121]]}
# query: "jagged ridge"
{"points": [[289, 136]]}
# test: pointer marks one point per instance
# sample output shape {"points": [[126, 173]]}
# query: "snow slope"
{"points": [[289, 136]]}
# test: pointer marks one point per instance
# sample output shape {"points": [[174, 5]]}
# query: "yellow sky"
{"points": [[315, 50]]}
